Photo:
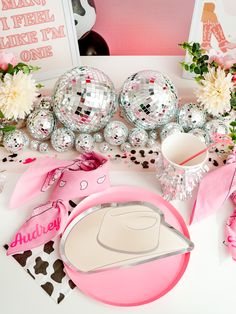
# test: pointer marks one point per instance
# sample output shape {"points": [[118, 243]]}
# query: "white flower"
{"points": [[17, 94], [214, 93]]}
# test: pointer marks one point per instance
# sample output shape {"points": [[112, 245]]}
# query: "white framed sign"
{"points": [[40, 33], [214, 27]]}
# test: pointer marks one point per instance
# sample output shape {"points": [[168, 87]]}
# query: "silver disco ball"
{"points": [[149, 99], [40, 124], [191, 116], [84, 99]]}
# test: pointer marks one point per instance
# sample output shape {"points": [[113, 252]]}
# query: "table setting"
{"points": [[118, 185]]}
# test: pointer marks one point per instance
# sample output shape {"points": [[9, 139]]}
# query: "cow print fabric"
{"points": [[44, 265]]}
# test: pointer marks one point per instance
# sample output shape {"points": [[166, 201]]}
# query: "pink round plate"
{"points": [[139, 284]]}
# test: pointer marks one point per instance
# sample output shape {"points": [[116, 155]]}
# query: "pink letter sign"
{"points": [[41, 33]]}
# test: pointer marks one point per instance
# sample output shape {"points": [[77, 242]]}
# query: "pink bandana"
{"points": [[68, 179]]}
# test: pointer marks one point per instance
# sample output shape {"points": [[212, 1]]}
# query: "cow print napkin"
{"points": [[44, 265]]}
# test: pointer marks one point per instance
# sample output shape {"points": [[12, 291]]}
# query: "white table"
{"points": [[208, 285]]}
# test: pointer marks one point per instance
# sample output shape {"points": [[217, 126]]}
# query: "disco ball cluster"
{"points": [[79, 113]]}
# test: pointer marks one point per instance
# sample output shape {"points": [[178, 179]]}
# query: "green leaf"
{"points": [[205, 69], [233, 123], [197, 70], [39, 85], [1, 115], [26, 69], [10, 69], [195, 47], [8, 128], [34, 69], [205, 57], [186, 67]]}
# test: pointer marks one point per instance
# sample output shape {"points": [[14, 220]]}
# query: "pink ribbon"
{"points": [[67, 179], [215, 188]]}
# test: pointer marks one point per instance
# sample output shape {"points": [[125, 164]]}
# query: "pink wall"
{"points": [[144, 27]]}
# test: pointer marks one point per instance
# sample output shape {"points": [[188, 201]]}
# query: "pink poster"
{"points": [[40, 33]]}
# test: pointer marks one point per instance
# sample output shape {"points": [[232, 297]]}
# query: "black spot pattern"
{"points": [[48, 247], [40, 266], [60, 298], [59, 273], [31, 275], [71, 284], [72, 204], [22, 258], [48, 287]]}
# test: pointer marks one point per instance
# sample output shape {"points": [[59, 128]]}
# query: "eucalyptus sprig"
{"points": [[199, 60]]}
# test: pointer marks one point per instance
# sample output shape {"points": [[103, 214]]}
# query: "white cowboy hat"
{"points": [[120, 235]]}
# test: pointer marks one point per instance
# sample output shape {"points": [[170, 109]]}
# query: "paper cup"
{"points": [[180, 146], [178, 181]]}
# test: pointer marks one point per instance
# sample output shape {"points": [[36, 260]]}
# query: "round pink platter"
{"points": [[140, 284]]}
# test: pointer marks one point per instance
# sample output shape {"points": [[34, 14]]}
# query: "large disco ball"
{"points": [[84, 99], [149, 99]]}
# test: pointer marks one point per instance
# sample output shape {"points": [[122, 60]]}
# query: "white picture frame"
{"points": [[214, 27], [52, 44]]}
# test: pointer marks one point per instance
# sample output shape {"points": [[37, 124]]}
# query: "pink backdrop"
{"points": [[144, 27]]}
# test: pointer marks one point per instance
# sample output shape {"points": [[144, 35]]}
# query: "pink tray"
{"points": [[139, 284]]}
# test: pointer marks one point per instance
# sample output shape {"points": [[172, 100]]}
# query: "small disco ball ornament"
{"points": [[98, 137], [45, 103], [216, 126], [169, 129], [15, 141], [84, 143], [149, 99], [203, 135], [43, 148], [125, 147], [191, 116], [153, 135], [138, 137], [84, 99], [116, 133], [104, 147], [151, 143], [34, 145], [62, 139], [40, 124]]}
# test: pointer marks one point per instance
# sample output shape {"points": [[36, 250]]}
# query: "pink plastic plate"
{"points": [[139, 284]]}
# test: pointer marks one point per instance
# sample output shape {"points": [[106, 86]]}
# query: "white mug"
{"points": [[178, 181]]}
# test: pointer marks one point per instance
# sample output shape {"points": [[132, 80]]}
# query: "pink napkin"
{"points": [[230, 228], [68, 179], [216, 187]]}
